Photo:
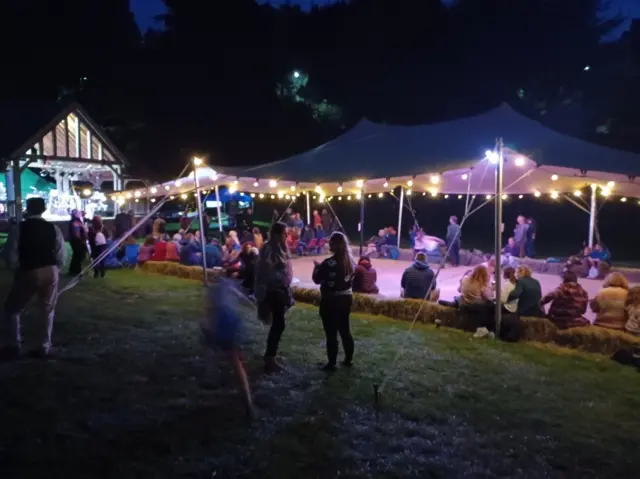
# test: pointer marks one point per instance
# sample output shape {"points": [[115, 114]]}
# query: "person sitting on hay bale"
{"points": [[365, 277], [633, 311], [146, 250], [579, 263], [528, 292], [568, 303], [610, 302], [599, 262], [418, 280]]}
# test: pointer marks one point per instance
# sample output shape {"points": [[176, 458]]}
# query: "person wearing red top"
{"points": [[160, 251], [317, 219], [365, 277]]}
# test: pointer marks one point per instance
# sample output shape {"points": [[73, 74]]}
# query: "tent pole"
{"points": [[361, 220], [308, 209], [593, 213], [400, 215], [203, 236], [218, 204], [498, 234], [17, 189]]}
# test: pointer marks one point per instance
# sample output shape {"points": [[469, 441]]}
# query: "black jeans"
{"points": [[276, 303], [454, 254], [78, 249], [98, 269], [335, 311]]}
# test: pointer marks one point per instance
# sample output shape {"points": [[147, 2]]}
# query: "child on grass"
{"points": [[335, 277], [222, 330]]}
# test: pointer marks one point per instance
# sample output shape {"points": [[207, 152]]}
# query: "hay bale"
{"points": [[539, 329], [594, 339]]}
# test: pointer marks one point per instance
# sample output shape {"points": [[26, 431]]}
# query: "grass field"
{"points": [[131, 394]]}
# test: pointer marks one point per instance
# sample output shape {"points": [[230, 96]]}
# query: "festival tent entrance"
{"points": [[65, 145]]}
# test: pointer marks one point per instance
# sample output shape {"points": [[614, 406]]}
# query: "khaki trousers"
{"points": [[41, 283]]}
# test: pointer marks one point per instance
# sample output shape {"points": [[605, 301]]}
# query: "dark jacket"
{"points": [[417, 280], [529, 294], [365, 277], [453, 234], [331, 278]]}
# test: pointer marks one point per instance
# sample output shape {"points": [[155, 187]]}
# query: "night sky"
{"points": [[146, 10]]}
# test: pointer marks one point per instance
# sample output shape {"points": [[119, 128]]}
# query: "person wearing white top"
{"points": [[97, 245]]}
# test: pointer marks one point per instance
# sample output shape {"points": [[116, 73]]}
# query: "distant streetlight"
{"points": [[587, 68], [296, 74]]}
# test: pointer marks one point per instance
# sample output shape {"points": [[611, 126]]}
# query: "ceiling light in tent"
{"points": [[261, 195], [386, 184], [424, 193], [114, 198], [340, 188], [256, 184], [137, 194], [253, 195], [321, 200], [520, 196], [606, 192], [435, 179], [624, 200], [349, 197], [465, 177], [153, 200], [408, 192], [434, 192], [359, 183], [369, 196], [537, 194], [280, 194], [554, 177], [86, 192], [358, 195], [235, 182], [172, 197], [183, 196], [491, 155], [314, 197], [577, 193], [446, 196], [273, 183], [292, 188], [459, 197], [488, 197], [554, 195], [520, 161], [288, 197], [154, 190], [272, 197], [178, 183], [137, 200], [380, 195], [197, 161], [167, 187], [410, 183], [611, 184], [504, 197], [339, 198], [128, 196]]}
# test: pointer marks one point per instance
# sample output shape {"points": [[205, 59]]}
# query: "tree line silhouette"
{"points": [[248, 83]]}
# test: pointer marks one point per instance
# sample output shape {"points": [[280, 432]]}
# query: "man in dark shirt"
{"points": [[37, 254], [78, 242]]}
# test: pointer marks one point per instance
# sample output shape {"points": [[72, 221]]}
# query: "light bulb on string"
{"points": [[178, 183], [410, 183], [446, 196], [256, 184], [537, 194], [519, 161], [167, 187], [554, 195], [340, 189], [577, 193], [154, 190], [380, 195], [253, 195], [261, 195], [554, 177], [459, 197], [488, 197], [359, 183], [624, 200], [465, 177], [435, 179], [273, 183], [386, 184], [520, 196]]}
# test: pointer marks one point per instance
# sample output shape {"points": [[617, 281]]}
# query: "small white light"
{"points": [[577, 193], [349, 197], [339, 189], [359, 183], [183, 196], [611, 184], [86, 192], [380, 195], [273, 197], [292, 188], [624, 200], [446, 196], [197, 161], [519, 161], [386, 184], [554, 195], [408, 192], [314, 197], [137, 200], [537, 194], [435, 179], [318, 189], [288, 197], [261, 195], [504, 197], [167, 187], [587, 68], [488, 197], [114, 198], [232, 189], [554, 177], [520, 196], [339, 198], [154, 190], [321, 200], [410, 183], [280, 194], [459, 197], [153, 200], [128, 196], [178, 183], [273, 183], [137, 194], [358, 196], [424, 193], [492, 156], [465, 177], [296, 74], [369, 196], [606, 192], [256, 184], [434, 192]]}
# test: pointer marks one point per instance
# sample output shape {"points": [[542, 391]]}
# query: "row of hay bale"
{"points": [[590, 339]]}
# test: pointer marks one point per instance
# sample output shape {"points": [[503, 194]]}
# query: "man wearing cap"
{"points": [[36, 256]]}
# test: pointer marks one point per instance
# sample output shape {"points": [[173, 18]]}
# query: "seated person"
{"points": [[528, 292], [388, 242], [511, 248], [123, 247], [475, 288], [365, 277], [507, 286], [610, 302], [418, 280], [160, 251], [146, 250], [248, 263], [190, 252], [318, 242], [258, 240], [600, 258], [292, 238], [568, 303], [213, 254], [307, 236], [173, 248], [247, 237], [633, 311], [230, 253], [579, 263]]}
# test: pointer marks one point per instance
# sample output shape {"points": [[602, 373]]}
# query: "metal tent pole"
{"points": [[361, 220], [592, 213], [308, 208], [203, 236], [498, 234], [218, 204], [400, 215]]}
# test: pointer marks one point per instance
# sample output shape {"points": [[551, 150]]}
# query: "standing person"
{"points": [[335, 277], [273, 290], [98, 244], [520, 234], [78, 242], [123, 224], [159, 226], [37, 255], [530, 247], [327, 222], [317, 219], [453, 241], [206, 222]]}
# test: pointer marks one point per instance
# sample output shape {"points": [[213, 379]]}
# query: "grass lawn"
{"points": [[132, 395]]}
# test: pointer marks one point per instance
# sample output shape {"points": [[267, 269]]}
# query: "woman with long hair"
{"points": [[475, 288], [335, 277]]}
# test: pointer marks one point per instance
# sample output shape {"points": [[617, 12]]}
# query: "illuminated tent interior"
{"points": [[64, 145]]}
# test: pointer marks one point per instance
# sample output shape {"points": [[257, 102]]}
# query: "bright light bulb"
{"points": [[256, 184], [434, 192], [358, 196], [153, 200], [435, 179], [321, 199], [339, 198], [446, 196], [233, 189], [606, 192], [167, 187], [318, 189], [253, 195], [296, 74], [178, 183], [172, 197], [519, 161], [386, 184], [288, 197], [280, 194], [349, 197], [137, 200], [183, 196], [273, 197], [339, 189], [488, 197], [380, 195], [410, 183], [137, 194], [408, 192], [369, 196], [114, 198], [611, 184], [359, 183], [624, 200], [492, 156], [577, 193], [424, 193], [520, 196], [261, 195], [128, 196], [504, 197], [273, 183], [86, 192], [554, 195], [537, 194], [465, 177], [292, 188], [459, 197], [154, 190], [554, 177], [197, 161]]}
